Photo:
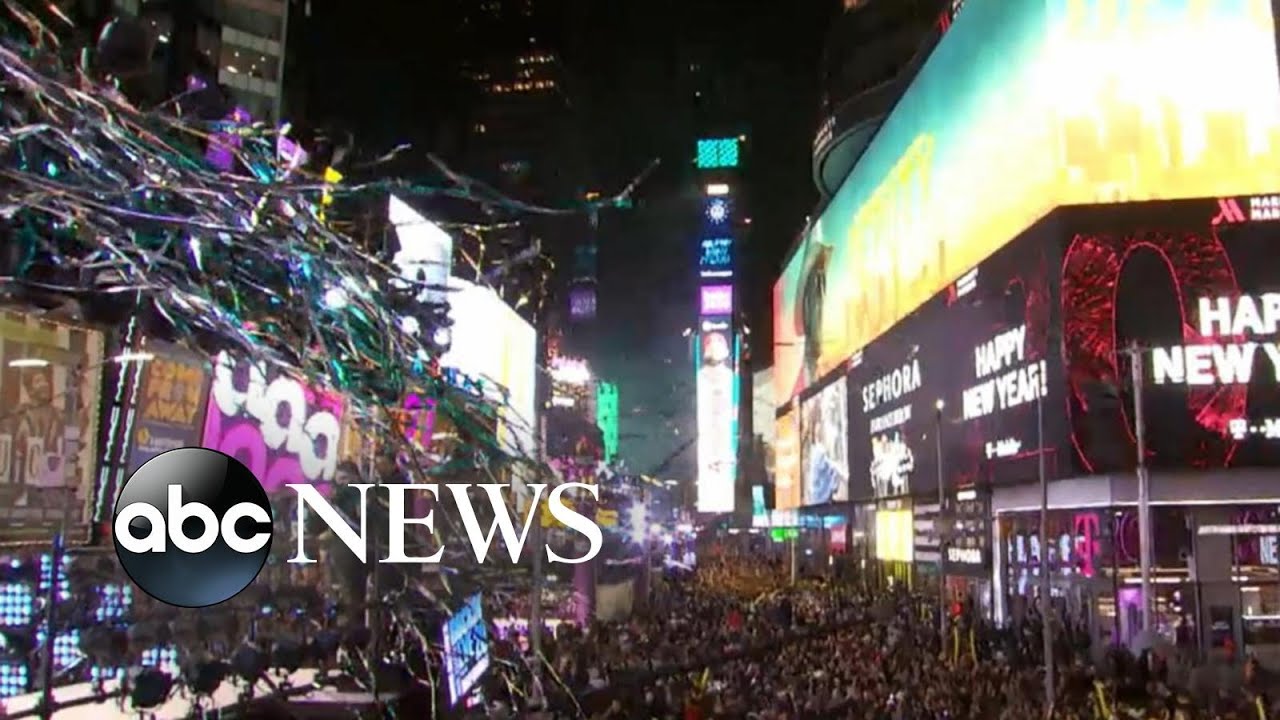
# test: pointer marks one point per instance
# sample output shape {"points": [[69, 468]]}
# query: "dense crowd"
{"points": [[726, 642]]}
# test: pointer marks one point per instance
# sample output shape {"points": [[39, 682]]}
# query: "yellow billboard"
{"points": [[787, 485], [1024, 107]]}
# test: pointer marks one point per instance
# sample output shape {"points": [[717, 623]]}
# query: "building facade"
{"points": [[998, 306]]}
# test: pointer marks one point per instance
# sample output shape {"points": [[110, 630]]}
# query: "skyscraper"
{"points": [[238, 44]]}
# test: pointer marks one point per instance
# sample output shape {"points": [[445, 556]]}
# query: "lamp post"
{"points": [[1046, 628], [939, 524], [1134, 351]]}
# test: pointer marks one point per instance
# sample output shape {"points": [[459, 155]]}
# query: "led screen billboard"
{"points": [[48, 451], [424, 256], [170, 408], [1197, 284], [493, 343], [282, 430], [787, 487], [824, 444], [716, 300], [466, 648], [1024, 107], [961, 377], [717, 444]]}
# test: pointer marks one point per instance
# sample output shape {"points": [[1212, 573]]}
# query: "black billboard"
{"points": [[1196, 284], [966, 369]]}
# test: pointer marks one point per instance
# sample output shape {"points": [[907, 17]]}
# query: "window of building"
{"points": [[249, 16], [249, 62]]}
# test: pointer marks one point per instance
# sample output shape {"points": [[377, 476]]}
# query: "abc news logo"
{"points": [[193, 527]]}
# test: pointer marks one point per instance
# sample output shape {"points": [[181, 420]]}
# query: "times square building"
{"points": [[972, 288]]}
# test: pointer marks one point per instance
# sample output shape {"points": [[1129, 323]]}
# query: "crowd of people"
{"points": [[737, 640]]}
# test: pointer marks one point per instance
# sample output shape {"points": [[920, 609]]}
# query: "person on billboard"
{"points": [[37, 429], [715, 391]]}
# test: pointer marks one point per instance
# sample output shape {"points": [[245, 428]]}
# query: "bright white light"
{"points": [[28, 363], [570, 371], [717, 211], [636, 525], [138, 357], [717, 189], [940, 404], [442, 336], [336, 298]]}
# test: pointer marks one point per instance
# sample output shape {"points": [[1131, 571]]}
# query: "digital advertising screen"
{"points": [[961, 378], [48, 451], [466, 649], [282, 430], [824, 444], [717, 443], [787, 484], [716, 300], [715, 257], [948, 179], [895, 535], [1197, 286], [493, 343], [171, 405], [424, 256]]}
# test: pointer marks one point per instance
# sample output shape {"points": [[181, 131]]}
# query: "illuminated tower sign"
{"points": [[607, 417], [716, 344]]}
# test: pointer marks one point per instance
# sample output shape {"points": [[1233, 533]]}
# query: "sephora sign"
{"points": [[280, 429]]}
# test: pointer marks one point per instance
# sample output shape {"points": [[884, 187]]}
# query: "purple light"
{"points": [[582, 303], [223, 145], [717, 299]]}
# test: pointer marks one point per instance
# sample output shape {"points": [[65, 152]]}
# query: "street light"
{"points": [[939, 405]]}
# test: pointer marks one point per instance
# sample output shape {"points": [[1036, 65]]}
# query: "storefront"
{"points": [[966, 555], [1215, 574], [926, 548]]}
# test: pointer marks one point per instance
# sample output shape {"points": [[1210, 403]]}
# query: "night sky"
{"points": [[385, 74]]}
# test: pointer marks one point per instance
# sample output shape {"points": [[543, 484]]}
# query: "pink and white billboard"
{"points": [[282, 430]]}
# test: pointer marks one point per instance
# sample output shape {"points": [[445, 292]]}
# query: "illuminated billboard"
{"points": [[715, 257], [424, 257], [824, 444], [285, 432], [717, 444], [716, 300], [48, 452], [717, 153], [980, 348], [492, 342], [895, 535], [607, 418], [1021, 108], [787, 494], [1195, 283]]}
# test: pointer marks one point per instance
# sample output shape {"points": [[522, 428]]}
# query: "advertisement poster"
{"points": [[948, 178], [280, 429], [962, 378], [1197, 286], [787, 485], [466, 648], [171, 404], [824, 444], [717, 382], [48, 448]]}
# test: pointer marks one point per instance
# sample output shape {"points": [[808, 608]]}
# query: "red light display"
{"points": [[1144, 273]]}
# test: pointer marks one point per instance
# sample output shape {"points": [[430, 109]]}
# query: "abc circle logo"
{"points": [[192, 527]]}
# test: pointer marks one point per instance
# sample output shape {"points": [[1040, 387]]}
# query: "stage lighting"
{"points": [[114, 602], [66, 648], [287, 656], [249, 663], [161, 657], [46, 573], [15, 678], [150, 688], [17, 604], [204, 678]]}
